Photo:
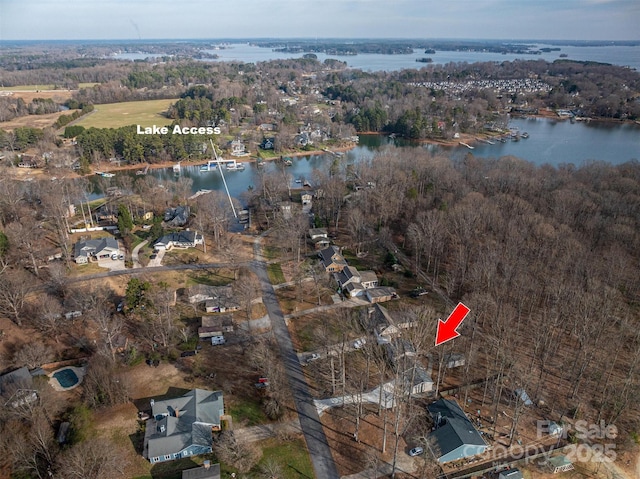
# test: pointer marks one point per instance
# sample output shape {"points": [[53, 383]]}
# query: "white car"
{"points": [[416, 451], [359, 343], [313, 357]]}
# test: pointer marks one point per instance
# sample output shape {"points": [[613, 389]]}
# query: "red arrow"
{"points": [[447, 329]]}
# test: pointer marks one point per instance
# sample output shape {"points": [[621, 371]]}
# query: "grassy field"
{"points": [[276, 276], [40, 87], [115, 115]]}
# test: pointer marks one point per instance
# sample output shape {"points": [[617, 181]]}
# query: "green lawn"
{"points": [[247, 413], [115, 115], [292, 456], [276, 276]]}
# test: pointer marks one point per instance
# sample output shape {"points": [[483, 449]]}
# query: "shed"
{"points": [[559, 464], [380, 294], [510, 474]]}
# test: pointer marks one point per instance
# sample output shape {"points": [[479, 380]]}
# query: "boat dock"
{"points": [[334, 153], [199, 193]]}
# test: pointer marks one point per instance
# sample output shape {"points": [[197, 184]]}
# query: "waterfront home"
{"points": [[268, 143]]}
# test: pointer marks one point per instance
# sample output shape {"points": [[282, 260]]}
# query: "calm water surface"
{"points": [[549, 142], [242, 52]]}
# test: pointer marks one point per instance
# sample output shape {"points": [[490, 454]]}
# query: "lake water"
{"points": [[550, 142], [243, 52], [625, 56]]}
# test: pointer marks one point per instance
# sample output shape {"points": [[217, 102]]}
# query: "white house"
{"points": [[102, 248], [181, 239]]}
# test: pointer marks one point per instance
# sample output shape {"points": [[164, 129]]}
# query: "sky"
{"points": [[184, 19]]}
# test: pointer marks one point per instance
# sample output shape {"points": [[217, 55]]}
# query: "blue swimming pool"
{"points": [[66, 377]]}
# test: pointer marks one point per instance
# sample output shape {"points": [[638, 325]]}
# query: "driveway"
{"points": [[112, 264], [134, 254], [157, 261]]}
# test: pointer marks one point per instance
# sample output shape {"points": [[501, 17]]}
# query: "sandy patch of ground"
{"points": [[34, 121], [351, 456], [59, 96]]}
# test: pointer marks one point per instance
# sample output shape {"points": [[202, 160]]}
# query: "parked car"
{"points": [[313, 357], [120, 307], [418, 292], [153, 256], [416, 451], [186, 354], [262, 383], [217, 340], [359, 343]]}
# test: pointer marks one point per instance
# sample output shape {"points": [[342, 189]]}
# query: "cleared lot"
{"points": [[115, 115]]}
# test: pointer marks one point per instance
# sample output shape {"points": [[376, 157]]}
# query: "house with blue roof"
{"points": [[454, 436], [183, 426]]}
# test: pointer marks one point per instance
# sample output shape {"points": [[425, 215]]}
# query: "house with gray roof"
{"points": [[183, 426], [454, 437], [354, 283], [16, 387], [206, 471], [511, 474], [378, 321], [332, 260], [180, 239], [102, 248], [319, 236], [177, 216]]}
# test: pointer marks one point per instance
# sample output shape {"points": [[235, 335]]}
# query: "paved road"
{"points": [[319, 450]]}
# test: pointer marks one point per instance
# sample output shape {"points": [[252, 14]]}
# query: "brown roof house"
{"points": [[215, 326]]}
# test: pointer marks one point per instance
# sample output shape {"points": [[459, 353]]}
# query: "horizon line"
{"points": [[140, 40]]}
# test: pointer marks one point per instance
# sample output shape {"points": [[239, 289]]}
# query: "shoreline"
{"points": [[109, 168]]}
